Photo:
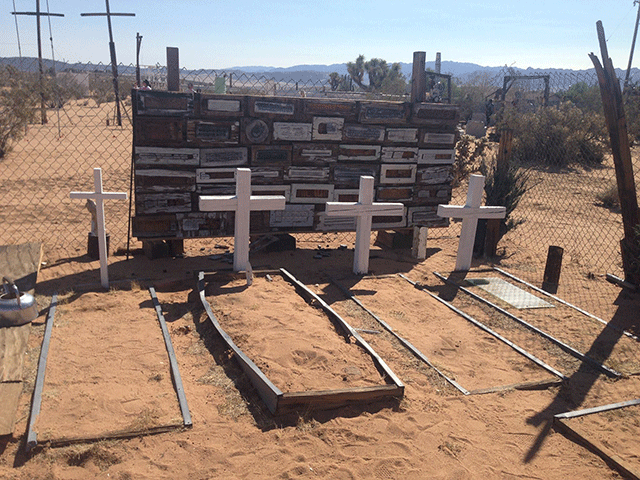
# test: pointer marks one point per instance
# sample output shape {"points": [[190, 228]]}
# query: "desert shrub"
{"points": [[505, 186], [470, 152], [18, 102], [556, 136], [609, 197], [584, 96]]}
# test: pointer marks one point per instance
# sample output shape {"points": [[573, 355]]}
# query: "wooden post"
{"points": [[552, 269], [138, 44], [173, 70], [504, 149], [492, 236], [617, 125], [419, 77]]}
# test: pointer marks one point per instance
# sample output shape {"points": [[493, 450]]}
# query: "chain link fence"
{"points": [[559, 141]]}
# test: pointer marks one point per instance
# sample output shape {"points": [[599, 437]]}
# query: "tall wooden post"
{"points": [[419, 77], [492, 236], [38, 14], [617, 125], [138, 44], [173, 70], [112, 52]]}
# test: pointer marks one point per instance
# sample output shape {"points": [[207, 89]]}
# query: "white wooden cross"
{"points": [[242, 203], [364, 209], [470, 213], [99, 196]]}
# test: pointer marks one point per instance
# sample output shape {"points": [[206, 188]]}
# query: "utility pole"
{"points": [[38, 14], [633, 46], [112, 49]]}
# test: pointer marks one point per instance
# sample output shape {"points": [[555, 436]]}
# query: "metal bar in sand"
{"points": [[32, 436], [567, 348], [482, 326], [175, 371]]}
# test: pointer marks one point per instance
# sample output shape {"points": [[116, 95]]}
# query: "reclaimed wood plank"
{"points": [[160, 180], [292, 132], [13, 344], [151, 203], [307, 174], [326, 108], [213, 133], [363, 133], [9, 397], [396, 174], [160, 132], [228, 106], [156, 156], [383, 112], [327, 128], [224, 157], [314, 154], [402, 135], [359, 153], [311, 193], [399, 155], [270, 156]]}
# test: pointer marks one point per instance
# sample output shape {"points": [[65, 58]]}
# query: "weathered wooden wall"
{"points": [[309, 150]]}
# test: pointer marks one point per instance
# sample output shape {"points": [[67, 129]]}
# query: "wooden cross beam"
{"points": [[470, 213], [38, 14], [364, 210], [242, 203], [112, 50], [100, 196]]}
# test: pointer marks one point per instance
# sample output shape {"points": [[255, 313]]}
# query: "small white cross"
{"points": [[99, 196], [470, 213], [364, 209], [242, 203]]}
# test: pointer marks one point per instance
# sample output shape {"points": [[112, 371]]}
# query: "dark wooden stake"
{"points": [[112, 52], [419, 77], [173, 70], [617, 125], [138, 45], [551, 278], [38, 14], [492, 236]]}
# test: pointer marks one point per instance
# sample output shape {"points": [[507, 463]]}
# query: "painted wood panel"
{"points": [[327, 128], [163, 157], [224, 157]]}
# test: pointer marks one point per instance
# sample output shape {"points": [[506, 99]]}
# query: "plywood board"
{"points": [[509, 293]]}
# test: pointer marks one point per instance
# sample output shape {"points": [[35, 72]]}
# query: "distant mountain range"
{"points": [[296, 73]]}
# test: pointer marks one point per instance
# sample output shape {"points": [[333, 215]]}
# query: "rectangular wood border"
{"points": [[279, 402]]}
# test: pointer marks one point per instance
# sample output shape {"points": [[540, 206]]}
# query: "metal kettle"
{"points": [[16, 308]]}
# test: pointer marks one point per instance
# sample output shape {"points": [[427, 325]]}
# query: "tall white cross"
{"points": [[99, 196], [364, 209], [470, 213], [242, 203]]}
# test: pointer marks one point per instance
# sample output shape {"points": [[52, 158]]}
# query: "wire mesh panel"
{"points": [[559, 139]]}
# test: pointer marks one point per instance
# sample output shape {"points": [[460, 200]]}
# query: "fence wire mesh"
{"points": [[559, 140]]}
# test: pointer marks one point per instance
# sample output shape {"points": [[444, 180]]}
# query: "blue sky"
{"points": [[281, 33]]}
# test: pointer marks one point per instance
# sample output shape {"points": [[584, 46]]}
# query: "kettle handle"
{"points": [[11, 289]]}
